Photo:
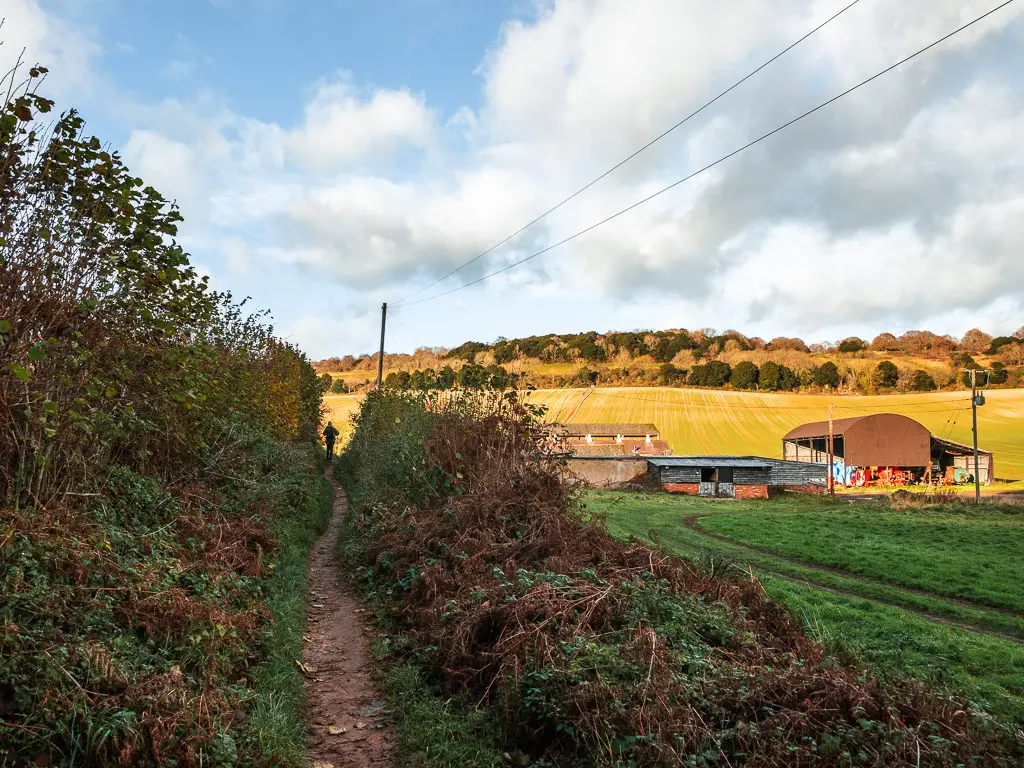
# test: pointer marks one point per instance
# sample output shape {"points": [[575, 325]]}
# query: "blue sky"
{"points": [[331, 155]]}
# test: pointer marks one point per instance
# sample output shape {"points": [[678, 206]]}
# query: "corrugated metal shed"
{"points": [[876, 440], [748, 462]]}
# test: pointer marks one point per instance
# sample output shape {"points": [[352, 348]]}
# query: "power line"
{"points": [[646, 146], [715, 163]]}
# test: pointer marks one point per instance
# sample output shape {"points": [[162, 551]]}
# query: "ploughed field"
{"points": [[700, 421], [933, 591]]}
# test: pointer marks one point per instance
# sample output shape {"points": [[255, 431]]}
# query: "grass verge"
{"points": [[277, 712], [434, 732]]}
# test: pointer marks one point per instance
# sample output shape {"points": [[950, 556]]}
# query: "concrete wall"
{"points": [[610, 472]]}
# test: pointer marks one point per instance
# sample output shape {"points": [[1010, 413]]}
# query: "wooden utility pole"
{"points": [[831, 453], [976, 400], [380, 360]]}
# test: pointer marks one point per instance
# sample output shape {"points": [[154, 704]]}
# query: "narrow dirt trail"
{"points": [[347, 715]]}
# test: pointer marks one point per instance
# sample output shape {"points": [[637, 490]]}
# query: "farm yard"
{"points": [[704, 422], [933, 592]]}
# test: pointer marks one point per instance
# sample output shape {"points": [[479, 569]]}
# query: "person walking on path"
{"points": [[330, 435]]}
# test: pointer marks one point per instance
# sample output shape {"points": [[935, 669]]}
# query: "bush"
{"points": [[339, 387], [852, 344], [886, 375], [668, 374], [745, 375], [922, 382], [999, 374], [826, 375]]}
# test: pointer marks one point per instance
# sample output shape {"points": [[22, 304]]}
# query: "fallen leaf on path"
{"points": [[360, 725], [322, 764], [336, 730], [307, 638], [306, 668]]}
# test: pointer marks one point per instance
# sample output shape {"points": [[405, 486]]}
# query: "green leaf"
{"points": [[37, 352], [49, 406], [5, 326], [22, 374]]}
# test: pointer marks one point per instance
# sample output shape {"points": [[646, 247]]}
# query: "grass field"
{"points": [[698, 421], [339, 410], [972, 554], [865, 619]]}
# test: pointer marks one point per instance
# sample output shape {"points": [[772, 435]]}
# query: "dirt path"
{"points": [[692, 522], [348, 719]]}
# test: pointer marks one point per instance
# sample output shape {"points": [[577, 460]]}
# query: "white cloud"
{"points": [[35, 37], [900, 204]]}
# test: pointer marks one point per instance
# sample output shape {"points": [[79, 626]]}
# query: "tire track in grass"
{"points": [[692, 523]]}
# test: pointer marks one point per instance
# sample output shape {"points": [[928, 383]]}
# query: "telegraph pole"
{"points": [[976, 400], [380, 360], [831, 473]]}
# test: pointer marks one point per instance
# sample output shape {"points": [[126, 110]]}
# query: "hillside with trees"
{"points": [[916, 361]]}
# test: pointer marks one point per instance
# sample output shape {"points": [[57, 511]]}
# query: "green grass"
{"points": [[432, 732], [989, 670], [959, 551], [702, 421], [277, 714]]}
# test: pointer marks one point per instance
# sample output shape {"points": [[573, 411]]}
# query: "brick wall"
{"points": [[690, 489], [751, 491]]}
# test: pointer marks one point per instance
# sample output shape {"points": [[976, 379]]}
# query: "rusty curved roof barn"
{"points": [[876, 440]]}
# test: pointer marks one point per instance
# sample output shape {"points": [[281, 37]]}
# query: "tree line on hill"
{"points": [[916, 361]]}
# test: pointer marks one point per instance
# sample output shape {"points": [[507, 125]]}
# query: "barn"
{"points": [[883, 448], [739, 477]]}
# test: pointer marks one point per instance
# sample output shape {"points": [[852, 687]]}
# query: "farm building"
{"points": [[883, 447], [612, 439], [740, 477]]}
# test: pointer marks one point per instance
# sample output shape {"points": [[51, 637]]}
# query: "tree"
{"points": [[712, 374], [768, 377], [852, 344], [745, 375], [586, 377], [975, 341], [1019, 333], [922, 382], [999, 374], [668, 374], [886, 374], [339, 387], [788, 380], [446, 378], [885, 342], [325, 381], [826, 375]]}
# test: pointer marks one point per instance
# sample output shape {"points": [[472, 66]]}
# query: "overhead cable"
{"points": [[715, 163], [646, 146]]}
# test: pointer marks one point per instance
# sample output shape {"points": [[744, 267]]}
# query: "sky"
{"points": [[331, 155]]}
